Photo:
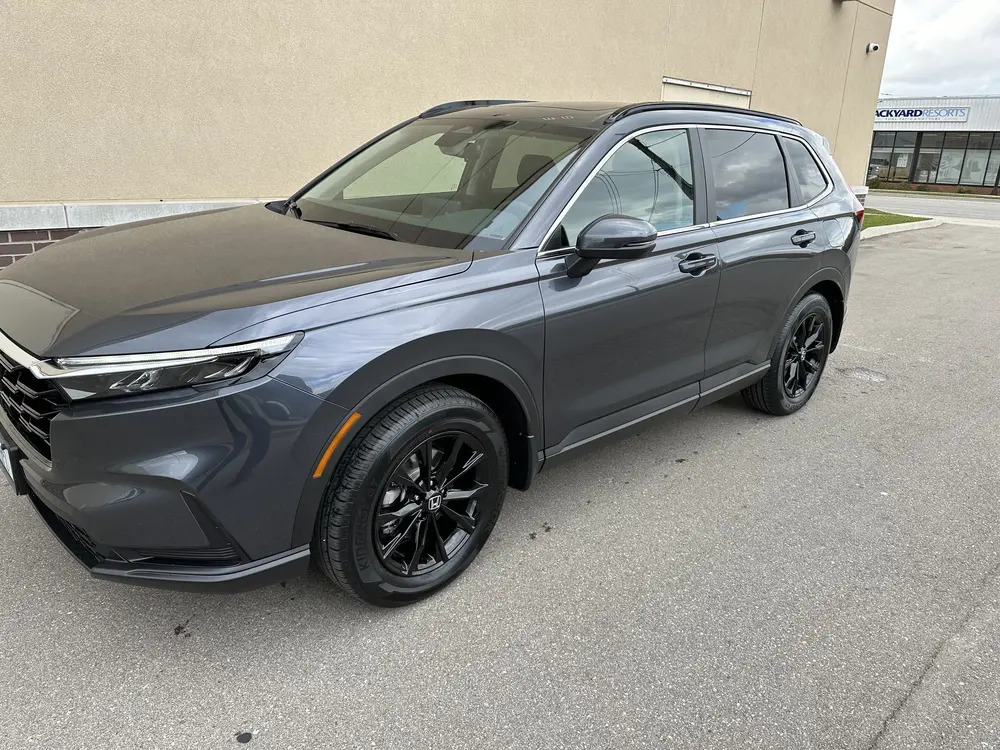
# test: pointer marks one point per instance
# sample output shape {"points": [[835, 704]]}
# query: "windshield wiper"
{"points": [[350, 226], [291, 207]]}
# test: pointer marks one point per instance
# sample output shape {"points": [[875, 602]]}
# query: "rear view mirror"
{"points": [[612, 237]]}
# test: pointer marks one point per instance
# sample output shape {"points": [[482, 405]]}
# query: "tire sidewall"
{"points": [[811, 304], [371, 576]]}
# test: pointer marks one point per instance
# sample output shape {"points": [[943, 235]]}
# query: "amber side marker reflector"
{"points": [[345, 428]]}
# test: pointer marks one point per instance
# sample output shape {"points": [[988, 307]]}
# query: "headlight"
{"points": [[89, 377]]}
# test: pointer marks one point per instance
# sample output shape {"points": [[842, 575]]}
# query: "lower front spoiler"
{"points": [[230, 579], [227, 579]]}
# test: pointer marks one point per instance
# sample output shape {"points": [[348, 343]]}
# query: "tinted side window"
{"points": [[650, 177], [808, 175], [749, 173]]}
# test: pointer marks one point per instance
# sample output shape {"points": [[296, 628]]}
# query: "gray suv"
{"points": [[355, 375]]}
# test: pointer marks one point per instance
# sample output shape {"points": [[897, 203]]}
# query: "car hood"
{"points": [[187, 281]]}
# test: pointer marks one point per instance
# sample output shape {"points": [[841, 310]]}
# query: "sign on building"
{"points": [[924, 114]]}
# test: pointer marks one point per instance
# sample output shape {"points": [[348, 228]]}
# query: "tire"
{"points": [[391, 470], [771, 394]]}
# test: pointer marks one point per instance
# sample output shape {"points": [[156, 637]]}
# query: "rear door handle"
{"points": [[803, 238], [695, 263]]}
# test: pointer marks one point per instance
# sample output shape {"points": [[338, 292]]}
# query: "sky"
{"points": [[943, 48]]}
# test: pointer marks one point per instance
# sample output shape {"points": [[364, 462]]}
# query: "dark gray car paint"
{"points": [[190, 280], [581, 357], [627, 332]]}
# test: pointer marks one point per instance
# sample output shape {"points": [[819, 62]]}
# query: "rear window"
{"points": [[807, 172], [749, 173]]}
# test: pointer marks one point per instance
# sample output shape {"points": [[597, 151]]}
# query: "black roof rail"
{"points": [[448, 107], [634, 109]]}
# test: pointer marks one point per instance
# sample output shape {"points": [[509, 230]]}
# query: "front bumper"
{"points": [[185, 490], [216, 578]]}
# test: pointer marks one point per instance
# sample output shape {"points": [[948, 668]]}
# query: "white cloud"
{"points": [[943, 48]]}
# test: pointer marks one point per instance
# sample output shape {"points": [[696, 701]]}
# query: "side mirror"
{"points": [[611, 237]]}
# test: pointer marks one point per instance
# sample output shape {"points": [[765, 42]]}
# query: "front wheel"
{"points": [[798, 360], [415, 497]]}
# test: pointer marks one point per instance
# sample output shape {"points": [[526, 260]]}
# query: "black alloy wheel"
{"points": [[804, 356], [414, 497], [429, 507], [799, 358]]}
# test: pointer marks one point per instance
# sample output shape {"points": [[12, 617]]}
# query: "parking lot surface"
{"points": [[727, 580], [980, 209]]}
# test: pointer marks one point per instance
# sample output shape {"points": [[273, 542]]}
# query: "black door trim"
{"points": [[681, 400], [606, 426], [730, 381]]}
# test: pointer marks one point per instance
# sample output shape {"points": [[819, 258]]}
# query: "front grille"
{"points": [[30, 404]]}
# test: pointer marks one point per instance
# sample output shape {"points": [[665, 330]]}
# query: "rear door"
{"points": [[770, 242], [628, 338]]}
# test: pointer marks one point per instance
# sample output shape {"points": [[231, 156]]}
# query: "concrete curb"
{"points": [[867, 234]]}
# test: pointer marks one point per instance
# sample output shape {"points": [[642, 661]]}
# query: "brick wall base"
{"points": [[17, 244]]}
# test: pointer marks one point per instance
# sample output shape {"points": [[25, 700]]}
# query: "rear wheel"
{"points": [[415, 497], [798, 361]]}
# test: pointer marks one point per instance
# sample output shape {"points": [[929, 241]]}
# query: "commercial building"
{"points": [[117, 111], [943, 144]]}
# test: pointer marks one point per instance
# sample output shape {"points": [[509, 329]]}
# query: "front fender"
{"points": [[368, 402]]}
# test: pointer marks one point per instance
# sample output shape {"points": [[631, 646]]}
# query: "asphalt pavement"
{"points": [[726, 580], [954, 207]]}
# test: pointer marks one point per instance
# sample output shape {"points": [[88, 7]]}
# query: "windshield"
{"points": [[451, 183]]}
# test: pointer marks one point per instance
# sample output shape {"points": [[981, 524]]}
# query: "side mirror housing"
{"points": [[611, 237]]}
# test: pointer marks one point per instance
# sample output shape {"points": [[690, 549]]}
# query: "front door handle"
{"points": [[695, 263], [803, 238]]}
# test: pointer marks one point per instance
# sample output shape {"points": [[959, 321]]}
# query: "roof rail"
{"points": [[634, 109], [448, 107]]}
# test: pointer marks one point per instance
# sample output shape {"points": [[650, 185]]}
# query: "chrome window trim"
{"points": [[830, 184], [597, 168]]}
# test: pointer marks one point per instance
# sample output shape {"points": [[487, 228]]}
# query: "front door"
{"points": [[629, 337]]}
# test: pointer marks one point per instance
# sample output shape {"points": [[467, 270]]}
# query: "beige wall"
{"points": [[812, 64], [143, 99]]}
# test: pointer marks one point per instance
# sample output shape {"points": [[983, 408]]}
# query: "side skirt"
{"points": [[680, 401]]}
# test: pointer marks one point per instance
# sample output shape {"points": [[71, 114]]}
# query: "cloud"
{"points": [[943, 48]]}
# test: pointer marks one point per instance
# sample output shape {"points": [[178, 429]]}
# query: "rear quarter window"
{"points": [[808, 175], [749, 173]]}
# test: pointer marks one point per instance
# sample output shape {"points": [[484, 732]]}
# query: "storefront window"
{"points": [[956, 140], [950, 169], [881, 154], [993, 168], [900, 165], [901, 161], [931, 141], [971, 159], [980, 140], [927, 166], [974, 170]]}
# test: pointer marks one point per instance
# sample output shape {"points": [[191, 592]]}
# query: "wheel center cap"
{"points": [[802, 353], [434, 502]]}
